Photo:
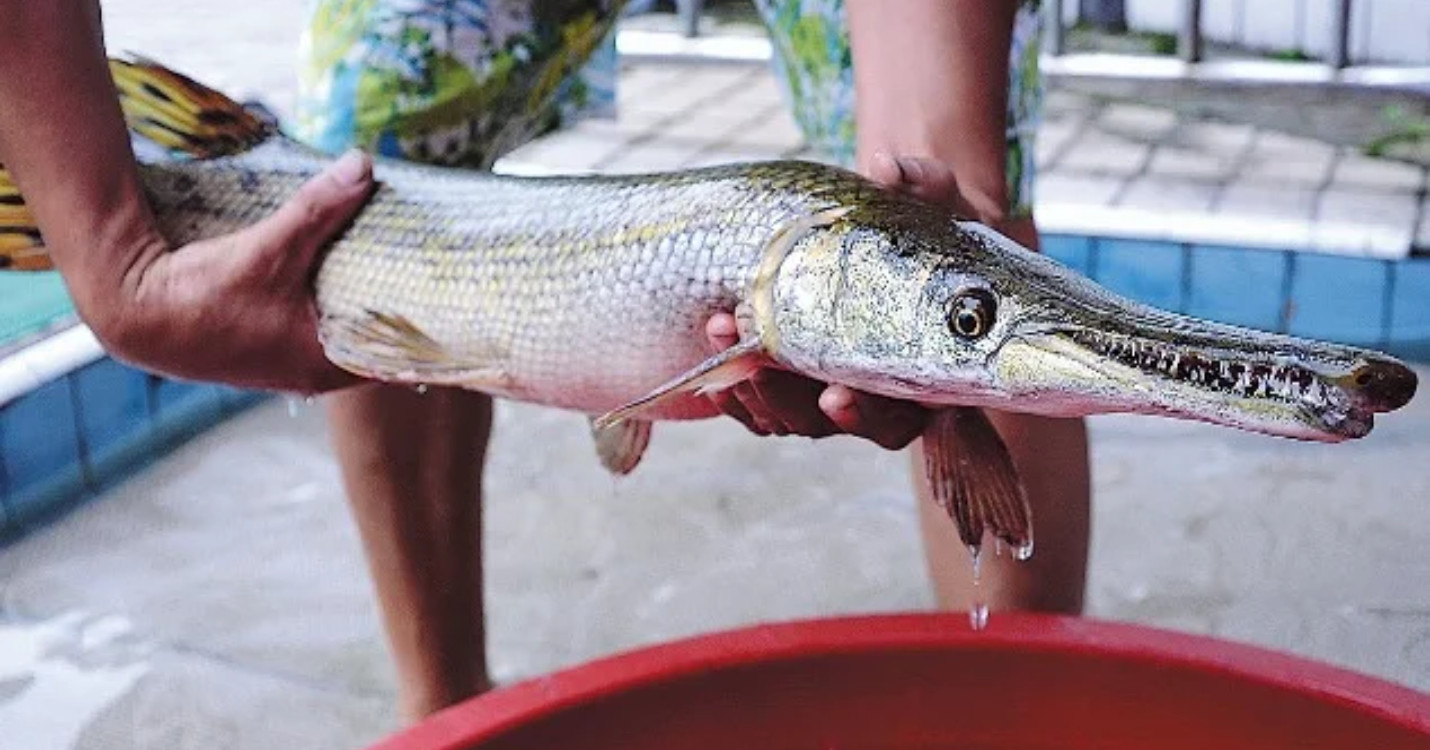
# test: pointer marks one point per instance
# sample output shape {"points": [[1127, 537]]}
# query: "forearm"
{"points": [[931, 78], [63, 138]]}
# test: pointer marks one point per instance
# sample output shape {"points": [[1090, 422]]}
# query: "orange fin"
{"points": [[182, 114], [21, 247], [973, 479]]}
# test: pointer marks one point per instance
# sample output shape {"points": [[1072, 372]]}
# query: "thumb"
{"points": [[929, 179], [321, 208]]}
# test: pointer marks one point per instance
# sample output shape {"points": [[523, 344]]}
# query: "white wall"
{"points": [[1382, 31]]}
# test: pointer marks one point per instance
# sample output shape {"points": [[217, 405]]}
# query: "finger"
{"points": [[730, 406], [933, 181], [760, 412], [323, 206], [889, 423], [722, 331], [793, 401], [884, 169]]}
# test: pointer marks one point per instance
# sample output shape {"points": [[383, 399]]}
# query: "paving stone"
{"points": [[1202, 150], [1171, 161], [1051, 140], [776, 129], [1103, 154], [652, 155], [1136, 121], [680, 92], [1288, 160], [1063, 187], [732, 154], [1242, 198], [572, 150], [1149, 192], [1355, 170], [1357, 207], [1059, 104]]}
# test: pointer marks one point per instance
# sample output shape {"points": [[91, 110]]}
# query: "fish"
{"points": [[589, 293]]}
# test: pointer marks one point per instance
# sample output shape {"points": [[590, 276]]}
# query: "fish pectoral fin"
{"points": [[21, 247], [973, 479], [391, 348], [621, 446], [714, 374]]}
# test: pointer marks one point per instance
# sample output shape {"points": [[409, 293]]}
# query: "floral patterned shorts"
{"points": [[462, 82]]}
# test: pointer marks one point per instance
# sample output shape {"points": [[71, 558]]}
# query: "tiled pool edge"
{"points": [[1378, 302], [93, 422]]}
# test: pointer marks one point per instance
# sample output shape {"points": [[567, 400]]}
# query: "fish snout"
{"points": [[1382, 385]]}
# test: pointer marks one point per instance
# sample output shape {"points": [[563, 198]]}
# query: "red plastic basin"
{"points": [[928, 682]]}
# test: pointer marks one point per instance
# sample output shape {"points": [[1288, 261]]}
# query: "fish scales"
{"points": [[581, 292]]}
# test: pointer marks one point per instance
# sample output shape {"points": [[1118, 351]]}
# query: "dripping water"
{"points": [[978, 611]]}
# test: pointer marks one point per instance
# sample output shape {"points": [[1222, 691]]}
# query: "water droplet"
{"points": [[421, 388], [1023, 551], [293, 403], [978, 616], [976, 554]]}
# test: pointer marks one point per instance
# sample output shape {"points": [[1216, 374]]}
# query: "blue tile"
{"points": [[1338, 299], [1410, 309], [37, 435], [1150, 272], [113, 404], [182, 399], [40, 447], [183, 408], [1070, 250], [1239, 286]]}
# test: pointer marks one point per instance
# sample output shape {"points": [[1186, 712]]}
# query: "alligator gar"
{"points": [[589, 293]]}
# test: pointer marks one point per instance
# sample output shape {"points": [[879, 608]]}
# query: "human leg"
{"points": [[412, 469]]}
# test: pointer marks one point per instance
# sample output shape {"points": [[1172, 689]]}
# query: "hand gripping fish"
{"points": [[590, 294]]}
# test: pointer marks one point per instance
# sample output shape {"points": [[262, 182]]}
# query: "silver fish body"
{"points": [[589, 293]]}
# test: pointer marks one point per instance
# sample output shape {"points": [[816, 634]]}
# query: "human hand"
{"points": [[238, 309]]}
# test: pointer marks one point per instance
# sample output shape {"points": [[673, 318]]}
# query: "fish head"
{"points": [[908, 304]]}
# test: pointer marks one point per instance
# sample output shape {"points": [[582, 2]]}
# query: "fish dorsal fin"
{"points": [[21, 247], [182, 114]]}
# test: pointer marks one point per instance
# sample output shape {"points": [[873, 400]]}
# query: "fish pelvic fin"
{"points": [[181, 114], [620, 446], [973, 479], [21, 246], [391, 348]]}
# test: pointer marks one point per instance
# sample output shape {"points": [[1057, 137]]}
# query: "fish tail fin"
{"points": [[21, 247], [181, 114]]}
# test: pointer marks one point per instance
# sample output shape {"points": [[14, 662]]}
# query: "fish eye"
{"points": [[971, 312]]}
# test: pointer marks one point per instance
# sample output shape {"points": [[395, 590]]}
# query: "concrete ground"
{"points": [[220, 600]]}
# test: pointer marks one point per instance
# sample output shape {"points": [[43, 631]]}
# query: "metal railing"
{"points": [[1336, 68], [1190, 45]]}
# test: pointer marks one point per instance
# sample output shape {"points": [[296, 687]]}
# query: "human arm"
{"points": [[235, 309], [932, 93]]}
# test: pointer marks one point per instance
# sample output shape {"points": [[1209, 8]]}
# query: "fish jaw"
{"points": [[1254, 381]]}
